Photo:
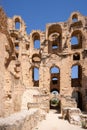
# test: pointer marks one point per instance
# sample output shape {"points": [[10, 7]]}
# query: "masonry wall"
{"points": [[25, 120], [19, 57]]}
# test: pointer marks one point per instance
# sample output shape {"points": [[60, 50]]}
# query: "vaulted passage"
{"points": [[54, 78], [54, 88]]}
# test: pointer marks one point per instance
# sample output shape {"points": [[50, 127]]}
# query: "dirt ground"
{"points": [[54, 121]]}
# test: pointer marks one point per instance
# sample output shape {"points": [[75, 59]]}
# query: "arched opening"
{"points": [[76, 76], [35, 77], [36, 40], [54, 70], [17, 24], [54, 78], [54, 87], [76, 56], [16, 46], [75, 72], [36, 58], [75, 18], [78, 97], [55, 38], [37, 44], [76, 40]]}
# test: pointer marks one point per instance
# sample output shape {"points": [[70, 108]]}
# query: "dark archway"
{"points": [[79, 103], [78, 97]]}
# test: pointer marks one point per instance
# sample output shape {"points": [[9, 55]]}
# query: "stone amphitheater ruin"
{"points": [[53, 54]]}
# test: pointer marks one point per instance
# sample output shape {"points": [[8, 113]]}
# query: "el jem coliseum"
{"points": [[37, 67]]}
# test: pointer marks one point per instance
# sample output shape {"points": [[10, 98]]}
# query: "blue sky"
{"points": [[37, 13]]}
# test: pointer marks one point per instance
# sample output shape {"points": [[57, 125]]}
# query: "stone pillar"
{"points": [[65, 81], [65, 78], [46, 79], [41, 74], [84, 84], [25, 70], [30, 77]]}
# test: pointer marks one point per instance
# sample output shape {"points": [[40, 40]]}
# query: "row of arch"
{"points": [[76, 75], [75, 68], [55, 40], [74, 18], [54, 35], [18, 23]]}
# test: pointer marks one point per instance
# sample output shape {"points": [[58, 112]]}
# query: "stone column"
{"points": [[25, 70]]}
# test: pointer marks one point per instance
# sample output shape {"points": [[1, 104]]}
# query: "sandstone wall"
{"points": [[25, 120], [19, 58]]}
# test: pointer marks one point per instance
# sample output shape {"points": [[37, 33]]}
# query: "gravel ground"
{"points": [[53, 121]]}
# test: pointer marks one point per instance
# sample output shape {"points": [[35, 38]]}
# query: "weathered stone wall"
{"points": [[24, 120], [3, 40], [19, 57]]}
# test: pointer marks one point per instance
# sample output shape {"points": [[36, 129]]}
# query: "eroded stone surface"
{"points": [[20, 54]]}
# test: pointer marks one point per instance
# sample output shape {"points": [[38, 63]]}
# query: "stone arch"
{"points": [[54, 73], [35, 76], [54, 38], [76, 17], [55, 67], [54, 28], [21, 24], [76, 39], [17, 23], [36, 40], [76, 75], [36, 58]]}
